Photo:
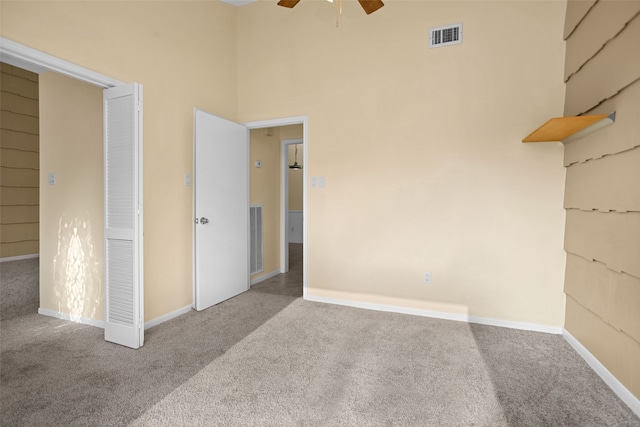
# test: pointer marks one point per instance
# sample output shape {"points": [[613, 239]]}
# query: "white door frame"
{"points": [[284, 200], [33, 60], [297, 120]]}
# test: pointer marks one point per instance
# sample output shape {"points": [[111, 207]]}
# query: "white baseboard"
{"points": [[100, 323], [618, 388], [265, 277], [168, 316], [77, 319], [19, 258], [440, 315]]}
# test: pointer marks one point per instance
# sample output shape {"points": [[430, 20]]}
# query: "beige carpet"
{"points": [[269, 358], [315, 364]]}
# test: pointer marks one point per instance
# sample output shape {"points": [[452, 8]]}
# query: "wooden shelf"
{"points": [[567, 129]]}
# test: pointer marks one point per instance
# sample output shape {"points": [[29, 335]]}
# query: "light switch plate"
{"points": [[51, 178]]}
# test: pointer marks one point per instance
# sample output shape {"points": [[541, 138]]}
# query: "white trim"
{"points": [[272, 123], [296, 120], [440, 315], [614, 384], [14, 53], [167, 317], [19, 258], [100, 323], [265, 277], [70, 318]]}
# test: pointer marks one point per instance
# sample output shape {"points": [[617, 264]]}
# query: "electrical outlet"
{"points": [[427, 277]]}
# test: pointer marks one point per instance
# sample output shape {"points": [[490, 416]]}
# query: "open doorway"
{"points": [[292, 191], [122, 116], [19, 204], [52, 215], [277, 198]]}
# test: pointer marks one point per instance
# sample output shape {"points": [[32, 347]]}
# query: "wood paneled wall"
{"points": [[20, 172], [602, 199]]}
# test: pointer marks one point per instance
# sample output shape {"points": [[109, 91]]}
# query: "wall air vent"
{"points": [[256, 245], [445, 36]]}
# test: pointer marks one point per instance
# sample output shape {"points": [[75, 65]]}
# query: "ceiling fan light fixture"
{"points": [[369, 6]]}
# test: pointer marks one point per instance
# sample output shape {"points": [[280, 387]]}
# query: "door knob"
{"points": [[204, 220]]}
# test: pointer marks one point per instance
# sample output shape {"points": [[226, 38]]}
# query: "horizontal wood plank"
{"points": [[19, 214], [623, 135], [19, 85], [602, 23], [614, 297], [612, 238], [19, 177], [19, 232], [19, 196], [608, 183], [613, 69], [19, 104], [20, 140], [19, 122], [12, 158], [616, 350], [19, 248], [576, 11]]}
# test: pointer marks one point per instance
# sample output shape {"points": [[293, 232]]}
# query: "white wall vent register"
{"points": [[255, 219], [445, 36]]}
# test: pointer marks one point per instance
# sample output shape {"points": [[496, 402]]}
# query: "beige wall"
{"points": [[602, 199], [19, 145], [265, 191], [421, 149], [72, 210], [184, 55]]}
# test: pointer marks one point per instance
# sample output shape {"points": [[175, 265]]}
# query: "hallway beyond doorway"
{"points": [[288, 284]]}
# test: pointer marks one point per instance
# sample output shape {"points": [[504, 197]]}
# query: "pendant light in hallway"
{"points": [[295, 164]]}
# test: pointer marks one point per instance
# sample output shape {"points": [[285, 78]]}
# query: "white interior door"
{"points": [[124, 317], [221, 169]]}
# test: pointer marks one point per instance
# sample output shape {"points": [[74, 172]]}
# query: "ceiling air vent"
{"points": [[444, 36]]}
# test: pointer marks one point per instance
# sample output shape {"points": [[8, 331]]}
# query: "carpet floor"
{"points": [[267, 357]]}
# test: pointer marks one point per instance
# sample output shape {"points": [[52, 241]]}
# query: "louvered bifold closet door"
{"points": [[123, 215]]}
